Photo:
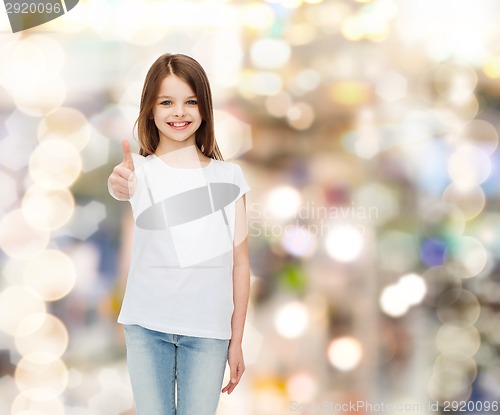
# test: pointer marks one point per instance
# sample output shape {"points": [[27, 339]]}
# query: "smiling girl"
{"points": [[187, 290]]}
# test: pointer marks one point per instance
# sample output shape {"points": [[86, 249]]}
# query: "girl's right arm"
{"points": [[121, 183]]}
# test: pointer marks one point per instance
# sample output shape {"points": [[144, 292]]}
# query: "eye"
{"points": [[192, 102], [166, 102]]}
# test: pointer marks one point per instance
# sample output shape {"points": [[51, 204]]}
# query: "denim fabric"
{"points": [[159, 362]]}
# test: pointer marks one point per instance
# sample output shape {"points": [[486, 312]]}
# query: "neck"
{"points": [[183, 153], [167, 146]]}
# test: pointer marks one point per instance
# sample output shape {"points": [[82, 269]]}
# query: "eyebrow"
{"points": [[167, 96]]}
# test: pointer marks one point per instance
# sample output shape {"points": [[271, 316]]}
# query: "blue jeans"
{"points": [[157, 362]]}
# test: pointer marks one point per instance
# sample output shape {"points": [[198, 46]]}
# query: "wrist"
{"points": [[235, 342]]}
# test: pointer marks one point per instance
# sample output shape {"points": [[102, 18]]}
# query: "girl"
{"points": [[188, 285]]}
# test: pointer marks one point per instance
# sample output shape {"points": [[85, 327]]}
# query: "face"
{"points": [[176, 112]]}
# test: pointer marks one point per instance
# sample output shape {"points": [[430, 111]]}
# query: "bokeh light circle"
{"points": [[440, 282], [414, 288], [270, 53], [53, 50], [283, 202], [443, 219], [42, 99], [258, 16], [465, 365], [291, 320], [42, 371], [42, 333], [16, 304], [47, 209], [266, 83], [36, 401], [393, 301], [19, 58], [469, 166], [55, 164], [468, 257], [18, 239], [470, 200], [66, 124], [381, 202], [344, 243], [449, 384], [300, 116], [491, 67], [233, 135], [345, 353], [350, 93], [455, 82], [129, 23], [465, 308], [302, 387], [299, 241], [9, 191], [301, 34], [279, 104], [467, 111], [457, 338], [51, 274], [305, 81], [481, 134], [398, 251], [486, 228]]}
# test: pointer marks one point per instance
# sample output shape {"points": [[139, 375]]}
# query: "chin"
{"points": [[179, 140]]}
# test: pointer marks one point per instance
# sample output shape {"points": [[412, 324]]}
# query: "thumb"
{"points": [[127, 156]]}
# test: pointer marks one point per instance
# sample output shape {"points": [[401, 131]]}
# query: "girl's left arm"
{"points": [[241, 292]]}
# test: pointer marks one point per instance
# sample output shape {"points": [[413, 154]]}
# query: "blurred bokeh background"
{"points": [[368, 132]]}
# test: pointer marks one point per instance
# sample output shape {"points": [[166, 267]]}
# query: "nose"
{"points": [[179, 111]]}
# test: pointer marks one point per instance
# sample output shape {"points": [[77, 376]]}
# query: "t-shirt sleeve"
{"points": [[241, 182], [141, 199], [139, 175]]}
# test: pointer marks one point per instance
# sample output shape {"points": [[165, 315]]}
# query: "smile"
{"points": [[178, 124]]}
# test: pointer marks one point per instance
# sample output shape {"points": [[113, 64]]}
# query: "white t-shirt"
{"points": [[180, 277]]}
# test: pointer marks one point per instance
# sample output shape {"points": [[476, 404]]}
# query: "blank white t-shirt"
{"points": [[180, 277]]}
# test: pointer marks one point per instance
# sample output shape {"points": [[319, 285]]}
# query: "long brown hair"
{"points": [[190, 71]]}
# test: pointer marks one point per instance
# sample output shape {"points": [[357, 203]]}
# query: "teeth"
{"points": [[178, 124]]}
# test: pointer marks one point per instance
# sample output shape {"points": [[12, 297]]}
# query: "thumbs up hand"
{"points": [[127, 156], [121, 182]]}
